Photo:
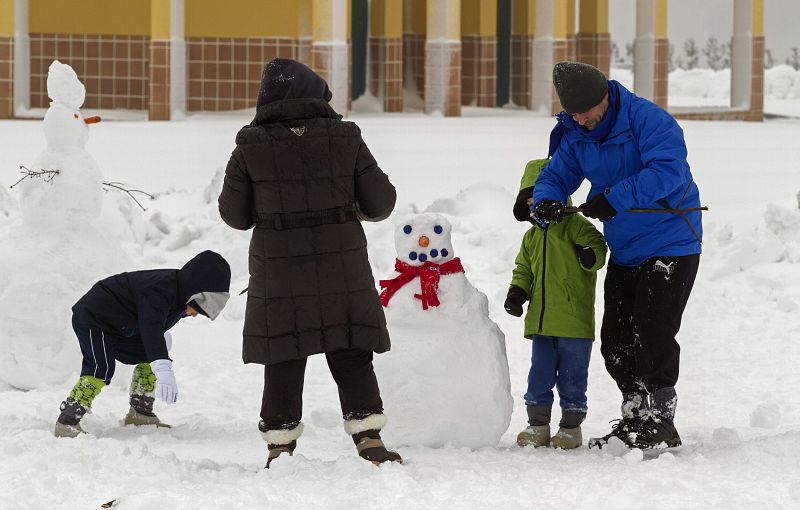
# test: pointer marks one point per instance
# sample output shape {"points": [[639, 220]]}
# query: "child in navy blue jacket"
{"points": [[126, 318]]}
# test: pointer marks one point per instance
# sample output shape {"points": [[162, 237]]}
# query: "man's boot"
{"points": [[537, 434], [367, 438], [76, 405], [281, 440], [142, 397], [634, 408], [658, 428], [569, 434]]}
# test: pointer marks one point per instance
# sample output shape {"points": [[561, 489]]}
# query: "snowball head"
{"points": [[423, 237], [63, 85]]}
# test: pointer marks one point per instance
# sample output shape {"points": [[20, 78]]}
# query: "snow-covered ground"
{"points": [[738, 413]]}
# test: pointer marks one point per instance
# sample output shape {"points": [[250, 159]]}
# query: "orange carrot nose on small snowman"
{"points": [[92, 120], [424, 241]]}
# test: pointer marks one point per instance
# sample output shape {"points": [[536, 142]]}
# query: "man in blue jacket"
{"points": [[634, 155], [126, 318]]}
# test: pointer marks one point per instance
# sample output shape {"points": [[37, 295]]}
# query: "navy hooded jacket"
{"points": [[641, 163], [142, 305]]}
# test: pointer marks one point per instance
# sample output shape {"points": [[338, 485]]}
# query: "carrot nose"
{"points": [[424, 241], [92, 120]]}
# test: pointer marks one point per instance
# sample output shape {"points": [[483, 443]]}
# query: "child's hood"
{"points": [[209, 274], [531, 173]]}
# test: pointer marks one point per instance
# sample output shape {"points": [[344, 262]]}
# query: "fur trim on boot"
{"points": [[281, 436], [372, 422]]}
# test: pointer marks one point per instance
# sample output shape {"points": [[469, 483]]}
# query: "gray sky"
{"points": [[702, 19]]}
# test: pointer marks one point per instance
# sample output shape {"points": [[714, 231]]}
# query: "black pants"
{"points": [[643, 310], [100, 351], [282, 403]]}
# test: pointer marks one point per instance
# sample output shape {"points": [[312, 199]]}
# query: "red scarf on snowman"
{"points": [[429, 273]]}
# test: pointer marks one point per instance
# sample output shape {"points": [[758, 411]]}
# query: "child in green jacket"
{"points": [[556, 270]]}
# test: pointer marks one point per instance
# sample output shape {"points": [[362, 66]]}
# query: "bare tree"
{"points": [[670, 55], [769, 61], [794, 59], [691, 53], [714, 53]]}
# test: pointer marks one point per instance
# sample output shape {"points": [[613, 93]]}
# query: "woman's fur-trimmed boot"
{"points": [[367, 438], [280, 441]]}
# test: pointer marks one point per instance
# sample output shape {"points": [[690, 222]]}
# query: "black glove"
{"points": [[514, 300], [549, 211], [599, 208], [586, 256], [522, 206]]}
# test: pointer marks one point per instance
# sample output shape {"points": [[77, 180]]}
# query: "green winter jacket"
{"points": [[560, 289]]}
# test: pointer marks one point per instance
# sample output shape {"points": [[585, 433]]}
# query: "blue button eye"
{"points": [[434, 253], [412, 255], [438, 229], [423, 257], [407, 229], [444, 252]]}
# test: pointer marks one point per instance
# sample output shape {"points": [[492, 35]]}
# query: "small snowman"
{"points": [[446, 379], [75, 192]]}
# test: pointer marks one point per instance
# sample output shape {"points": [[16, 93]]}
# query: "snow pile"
{"points": [[782, 82], [446, 379]]}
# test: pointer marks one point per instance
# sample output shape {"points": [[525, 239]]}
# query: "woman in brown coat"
{"points": [[304, 178]]}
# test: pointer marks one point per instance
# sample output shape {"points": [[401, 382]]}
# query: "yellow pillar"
{"points": [[330, 50], [549, 46], [523, 22], [651, 54], [593, 42], [386, 53], [443, 57], [479, 52], [159, 83], [6, 59], [747, 62]]}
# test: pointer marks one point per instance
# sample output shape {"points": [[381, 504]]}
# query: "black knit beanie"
{"points": [[284, 78], [580, 87]]}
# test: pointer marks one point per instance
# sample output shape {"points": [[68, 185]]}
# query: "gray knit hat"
{"points": [[580, 87]]}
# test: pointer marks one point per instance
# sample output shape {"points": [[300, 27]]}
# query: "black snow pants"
{"points": [[359, 396], [643, 309]]}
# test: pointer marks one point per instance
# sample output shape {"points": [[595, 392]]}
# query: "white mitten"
{"points": [[166, 386]]}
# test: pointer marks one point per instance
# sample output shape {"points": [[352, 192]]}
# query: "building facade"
{"points": [[167, 57]]}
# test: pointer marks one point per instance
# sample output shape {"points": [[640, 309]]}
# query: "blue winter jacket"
{"points": [[641, 163]]}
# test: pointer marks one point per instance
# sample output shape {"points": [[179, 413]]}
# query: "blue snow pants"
{"points": [[101, 351], [563, 363]]}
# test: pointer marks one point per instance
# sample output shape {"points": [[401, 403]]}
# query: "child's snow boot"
{"points": [[77, 405], [68, 423], [538, 432], [569, 435], [280, 440], [142, 397], [367, 438]]}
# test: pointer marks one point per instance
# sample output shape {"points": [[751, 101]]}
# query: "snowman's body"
{"points": [[75, 194], [445, 380]]}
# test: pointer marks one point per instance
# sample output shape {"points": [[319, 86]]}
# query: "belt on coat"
{"points": [[281, 221]]}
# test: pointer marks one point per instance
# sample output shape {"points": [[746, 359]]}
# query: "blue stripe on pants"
{"points": [[563, 363]]}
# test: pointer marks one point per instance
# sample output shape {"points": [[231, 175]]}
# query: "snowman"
{"points": [[445, 380], [60, 248], [74, 193]]}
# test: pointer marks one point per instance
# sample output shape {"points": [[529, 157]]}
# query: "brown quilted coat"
{"points": [[297, 174]]}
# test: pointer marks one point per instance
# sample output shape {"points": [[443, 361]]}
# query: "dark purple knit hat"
{"points": [[284, 78]]}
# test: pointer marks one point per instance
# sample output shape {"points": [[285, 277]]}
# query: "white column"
{"points": [[742, 54], [443, 57], [22, 58], [330, 44], [644, 62], [542, 82], [177, 58]]}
